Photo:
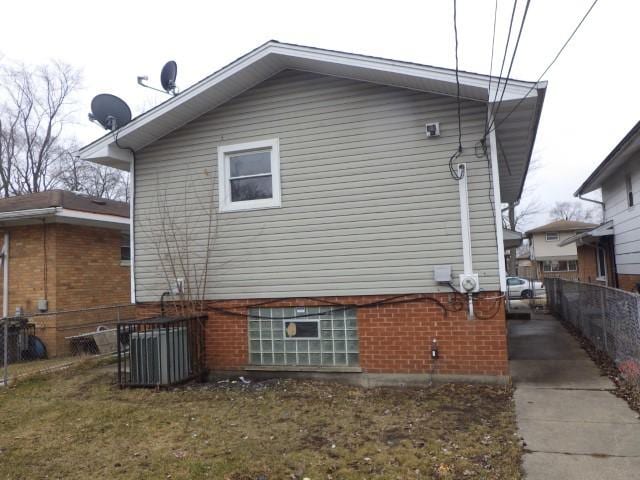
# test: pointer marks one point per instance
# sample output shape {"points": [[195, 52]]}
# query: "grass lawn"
{"points": [[76, 423]]}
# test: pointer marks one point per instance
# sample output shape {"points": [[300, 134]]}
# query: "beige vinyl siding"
{"points": [[626, 221], [368, 205]]}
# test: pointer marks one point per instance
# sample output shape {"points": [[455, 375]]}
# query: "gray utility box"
{"points": [[159, 356]]}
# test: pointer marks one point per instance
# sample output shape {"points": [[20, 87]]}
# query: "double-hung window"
{"points": [[249, 175]]}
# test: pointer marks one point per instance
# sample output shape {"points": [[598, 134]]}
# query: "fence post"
{"points": [[6, 350], [603, 315]]}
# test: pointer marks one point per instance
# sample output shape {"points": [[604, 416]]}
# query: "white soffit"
{"points": [[516, 135]]}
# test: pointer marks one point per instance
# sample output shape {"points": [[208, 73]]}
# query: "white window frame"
{"points": [[224, 184], [546, 236], [629, 188]]}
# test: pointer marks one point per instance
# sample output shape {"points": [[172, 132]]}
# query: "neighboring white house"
{"points": [[340, 212], [549, 256], [617, 241]]}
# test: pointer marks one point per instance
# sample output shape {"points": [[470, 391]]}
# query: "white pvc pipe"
{"points": [[463, 190], [465, 225]]}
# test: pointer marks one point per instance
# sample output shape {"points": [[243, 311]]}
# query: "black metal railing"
{"points": [[160, 351]]}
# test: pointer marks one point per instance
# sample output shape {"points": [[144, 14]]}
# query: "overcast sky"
{"points": [[592, 98]]}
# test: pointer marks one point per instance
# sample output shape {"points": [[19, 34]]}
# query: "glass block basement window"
{"points": [[303, 336]]}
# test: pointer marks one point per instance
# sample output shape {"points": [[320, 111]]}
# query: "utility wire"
{"points": [[455, 174], [513, 57], [493, 43], [584, 17], [504, 56]]}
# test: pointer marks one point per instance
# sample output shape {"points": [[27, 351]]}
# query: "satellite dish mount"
{"points": [[167, 79]]}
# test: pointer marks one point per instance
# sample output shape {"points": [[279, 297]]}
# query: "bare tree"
{"points": [[90, 178], [576, 211], [183, 253], [521, 214], [35, 110]]}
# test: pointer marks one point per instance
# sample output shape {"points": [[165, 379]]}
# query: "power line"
{"points": [[506, 50], [513, 57], [455, 175], [584, 17], [493, 42]]}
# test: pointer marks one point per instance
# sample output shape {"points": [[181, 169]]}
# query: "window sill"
{"points": [[125, 263], [246, 208]]}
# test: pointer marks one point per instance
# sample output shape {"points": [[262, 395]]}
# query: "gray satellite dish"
{"points": [[168, 76], [110, 111]]}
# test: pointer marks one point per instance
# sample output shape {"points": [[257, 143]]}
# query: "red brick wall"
{"points": [[394, 338], [628, 282]]}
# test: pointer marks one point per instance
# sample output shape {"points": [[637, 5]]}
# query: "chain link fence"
{"points": [[41, 342], [609, 317]]}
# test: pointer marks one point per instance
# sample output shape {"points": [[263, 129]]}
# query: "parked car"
{"points": [[521, 287]]}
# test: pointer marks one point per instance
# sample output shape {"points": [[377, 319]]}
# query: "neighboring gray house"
{"points": [[311, 174], [615, 245]]}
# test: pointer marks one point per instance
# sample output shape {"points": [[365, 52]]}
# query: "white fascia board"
{"points": [[92, 217], [104, 149], [515, 88], [63, 214], [107, 154]]}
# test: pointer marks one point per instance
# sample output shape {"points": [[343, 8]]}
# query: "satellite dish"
{"points": [[168, 76], [110, 111]]}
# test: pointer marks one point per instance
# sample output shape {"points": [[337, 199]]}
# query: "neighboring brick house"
{"points": [[613, 248], [549, 255], [346, 216], [67, 251]]}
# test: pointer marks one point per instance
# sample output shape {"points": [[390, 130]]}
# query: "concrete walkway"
{"points": [[573, 426]]}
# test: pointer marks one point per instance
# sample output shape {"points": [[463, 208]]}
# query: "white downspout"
{"points": [[132, 243]]}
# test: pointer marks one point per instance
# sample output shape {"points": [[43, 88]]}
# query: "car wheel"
{"points": [[526, 294]]}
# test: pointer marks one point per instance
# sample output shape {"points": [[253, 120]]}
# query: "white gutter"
{"points": [[25, 214], [60, 212], [495, 175]]}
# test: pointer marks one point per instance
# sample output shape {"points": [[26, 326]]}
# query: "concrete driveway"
{"points": [[573, 426]]}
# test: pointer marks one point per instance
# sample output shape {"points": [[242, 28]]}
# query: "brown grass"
{"points": [[77, 424]]}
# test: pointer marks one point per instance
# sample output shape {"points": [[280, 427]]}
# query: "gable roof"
{"points": [[65, 199], [515, 138], [628, 146], [562, 226]]}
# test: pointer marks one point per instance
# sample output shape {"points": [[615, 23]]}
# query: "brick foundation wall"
{"points": [[394, 338], [628, 282]]}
